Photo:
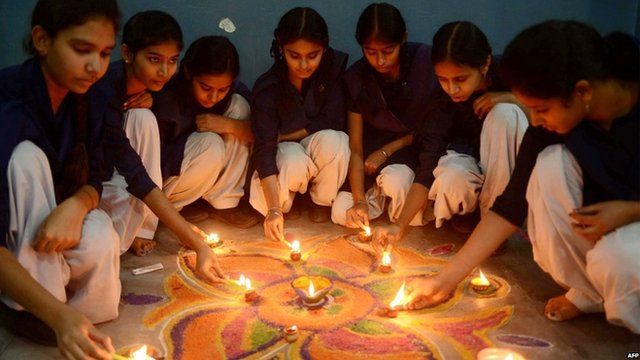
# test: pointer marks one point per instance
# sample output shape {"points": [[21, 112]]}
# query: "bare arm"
{"points": [[377, 158], [356, 162], [274, 219], [294, 136], [492, 231], [61, 230], [394, 233], [358, 214], [486, 102], [220, 124], [190, 236]]}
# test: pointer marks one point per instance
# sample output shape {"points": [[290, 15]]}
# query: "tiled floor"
{"points": [[589, 337]]}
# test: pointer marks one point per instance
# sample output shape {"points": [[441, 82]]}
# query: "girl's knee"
{"points": [[141, 121], [27, 155]]}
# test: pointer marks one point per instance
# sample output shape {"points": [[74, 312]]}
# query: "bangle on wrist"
{"points": [[386, 156], [275, 210]]}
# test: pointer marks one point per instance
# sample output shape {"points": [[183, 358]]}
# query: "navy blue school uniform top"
{"points": [[26, 114], [278, 108], [108, 96], [176, 109], [610, 163], [450, 125], [391, 110]]}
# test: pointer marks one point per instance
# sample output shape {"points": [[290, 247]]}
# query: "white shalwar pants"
{"points": [[604, 276], [460, 182], [86, 276], [393, 182], [214, 168], [131, 217], [321, 159]]}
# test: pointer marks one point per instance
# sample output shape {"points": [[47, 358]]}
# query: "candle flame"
{"points": [[483, 279], [248, 283], [295, 245], [386, 258], [367, 230], [141, 354], [400, 297], [242, 280], [213, 238], [312, 290]]}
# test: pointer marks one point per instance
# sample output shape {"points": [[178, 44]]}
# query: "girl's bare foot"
{"points": [[141, 246], [560, 308]]}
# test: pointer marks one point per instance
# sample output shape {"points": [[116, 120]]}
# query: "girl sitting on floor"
{"points": [[59, 259], [470, 136], [205, 132], [151, 44], [298, 114], [388, 89], [577, 174]]}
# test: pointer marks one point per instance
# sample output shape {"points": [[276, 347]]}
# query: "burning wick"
{"points": [[250, 294], [365, 236], [141, 354], [295, 251], [212, 240], [312, 290], [481, 283], [399, 300], [291, 333], [385, 263], [492, 353]]}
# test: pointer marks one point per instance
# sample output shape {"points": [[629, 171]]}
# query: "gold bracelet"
{"points": [[386, 156]]}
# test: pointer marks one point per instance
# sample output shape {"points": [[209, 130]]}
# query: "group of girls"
{"points": [[94, 154]]}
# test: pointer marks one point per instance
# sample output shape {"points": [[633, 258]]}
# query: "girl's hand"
{"points": [[141, 100], [61, 230], [594, 221], [387, 235], [79, 339], [206, 259], [428, 292], [207, 122], [373, 162], [207, 264], [486, 102], [358, 215], [274, 225]]}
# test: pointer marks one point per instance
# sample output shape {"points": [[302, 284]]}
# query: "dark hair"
{"points": [[547, 60], [213, 55], [149, 28], [299, 23], [461, 42], [381, 21], [57, 15]]}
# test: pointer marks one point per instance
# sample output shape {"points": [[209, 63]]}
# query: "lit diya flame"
{"points": [[481, 281], [399, 299], [312, 290], [367, 230], [248, 284], [242, 280], [386, 258], [295, 246], [141, 354], [213, 239]]}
